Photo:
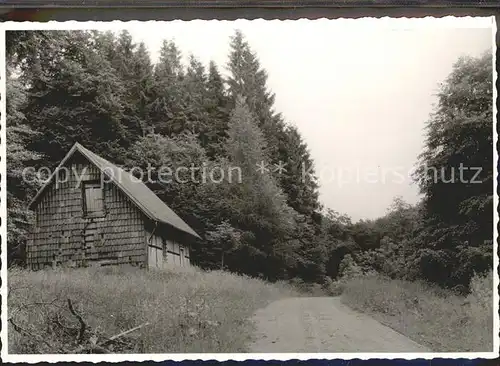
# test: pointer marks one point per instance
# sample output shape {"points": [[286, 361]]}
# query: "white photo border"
{"points": [[449, 21]]}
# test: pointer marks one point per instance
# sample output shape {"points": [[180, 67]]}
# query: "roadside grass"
{"points": [[433, 317], [188, 311]]}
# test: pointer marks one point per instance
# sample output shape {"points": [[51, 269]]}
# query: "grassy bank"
{"points": [[433, 317], [188, 311]]}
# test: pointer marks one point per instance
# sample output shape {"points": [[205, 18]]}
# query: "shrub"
{"points": [[481, 288], [306, 288], [333, 288], [348, 268], [479, 304]]}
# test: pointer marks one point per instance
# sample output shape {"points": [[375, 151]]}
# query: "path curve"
{"points": [[323, 324]]}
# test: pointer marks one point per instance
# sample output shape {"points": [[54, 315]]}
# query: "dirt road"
{"points": [[323, 324]]}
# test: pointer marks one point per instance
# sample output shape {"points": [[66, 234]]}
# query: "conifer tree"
{"points": [[141, 90], [257, 204], [133, 67], [194, 99], [92, 110], [167, 110], [249, 80], [285, 145], [217, 105]]}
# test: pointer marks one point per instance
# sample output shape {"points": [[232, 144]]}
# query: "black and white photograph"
{"points": [[249, 189]]}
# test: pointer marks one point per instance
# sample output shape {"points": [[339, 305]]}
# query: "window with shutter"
{"points": [[93, 198]]}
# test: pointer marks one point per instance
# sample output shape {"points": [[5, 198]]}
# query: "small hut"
{"points": [[90, 212]]}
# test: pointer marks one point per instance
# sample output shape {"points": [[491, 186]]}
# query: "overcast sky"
{"points": [[359, 91]]}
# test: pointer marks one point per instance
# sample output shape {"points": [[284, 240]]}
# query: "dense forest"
{"points": [[102, 90]]}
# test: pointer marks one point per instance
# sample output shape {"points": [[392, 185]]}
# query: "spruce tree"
{"points": [[194, 99], [166, 110], [258, 205], [248, 79], [75, 97], [141, 90], [217, 106], [285, 146]]}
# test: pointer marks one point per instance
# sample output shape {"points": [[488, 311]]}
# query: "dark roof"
{"points": [[136, 190]]}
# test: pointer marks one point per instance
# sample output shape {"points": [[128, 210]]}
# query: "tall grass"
{"points": [[433, 317], [186, 311]]}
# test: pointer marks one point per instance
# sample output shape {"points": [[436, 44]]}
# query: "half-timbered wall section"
{"points": [[81, 222], [165, 249]]}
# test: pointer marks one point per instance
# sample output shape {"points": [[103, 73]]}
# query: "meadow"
{"points": [[185, 310], [431, 316]]}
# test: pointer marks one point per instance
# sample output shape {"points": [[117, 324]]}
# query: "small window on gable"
{"points": [[93, 198], [62, 175]]}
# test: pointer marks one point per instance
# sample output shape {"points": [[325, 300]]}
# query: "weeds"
{"points": [[434, 317], [180, 311]]}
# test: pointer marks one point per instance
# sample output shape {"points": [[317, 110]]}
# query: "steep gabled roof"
{"points": [[148, 202]]}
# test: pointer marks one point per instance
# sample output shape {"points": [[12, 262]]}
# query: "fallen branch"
{"points": [[26, 306], [65, 328], [124, 333], [83, 326], [96, 349], [24, 332], [11, 290], [99, 348]]}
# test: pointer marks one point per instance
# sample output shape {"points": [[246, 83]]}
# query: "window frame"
{"points": [[85, 184], [61, 175]]}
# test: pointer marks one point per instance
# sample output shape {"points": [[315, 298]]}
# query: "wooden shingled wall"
{"points": [[63, 236]]}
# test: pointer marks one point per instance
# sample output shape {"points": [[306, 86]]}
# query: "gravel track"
{"points": [[323, 324]]}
